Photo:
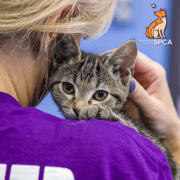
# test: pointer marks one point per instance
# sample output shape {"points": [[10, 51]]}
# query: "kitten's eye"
{"points": [[100, 95], [68, 88]]}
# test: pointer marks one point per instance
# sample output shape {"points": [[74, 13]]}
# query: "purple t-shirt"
{"points": [[35, 145]]}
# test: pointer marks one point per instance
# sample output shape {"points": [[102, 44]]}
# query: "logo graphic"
{"points": [[156, 29]]}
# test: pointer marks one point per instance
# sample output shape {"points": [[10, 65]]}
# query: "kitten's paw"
{"points": [[103, 114]]}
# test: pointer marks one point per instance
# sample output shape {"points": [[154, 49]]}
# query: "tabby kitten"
{"points": [[87, 86]]}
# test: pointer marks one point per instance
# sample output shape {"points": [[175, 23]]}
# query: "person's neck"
{"points": [[18, 76]]}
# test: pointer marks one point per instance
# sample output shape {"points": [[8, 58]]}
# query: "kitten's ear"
{"points": [[122, 61], [65, 48]]}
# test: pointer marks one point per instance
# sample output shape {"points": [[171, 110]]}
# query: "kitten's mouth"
{"points": [[85, 114], [72, 115], [77, 115], [69, 114], [76, 112]]}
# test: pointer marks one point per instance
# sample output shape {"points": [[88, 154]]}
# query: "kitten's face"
{"points": [[89, 86]]}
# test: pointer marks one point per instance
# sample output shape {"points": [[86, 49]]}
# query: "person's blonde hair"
{"points": [[22, 20], [89, 17]]}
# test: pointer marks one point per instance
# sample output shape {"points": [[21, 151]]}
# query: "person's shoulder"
{"points": [[122, 138], [116, 137], [127, 152]]}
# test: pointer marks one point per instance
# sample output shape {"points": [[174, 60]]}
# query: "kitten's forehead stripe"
{"points": [[76, 74], [89, 70]]}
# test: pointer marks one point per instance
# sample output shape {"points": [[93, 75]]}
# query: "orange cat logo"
{"points": [[156, 29]]}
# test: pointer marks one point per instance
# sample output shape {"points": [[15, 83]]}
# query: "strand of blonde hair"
{"points": [[93, 17]]}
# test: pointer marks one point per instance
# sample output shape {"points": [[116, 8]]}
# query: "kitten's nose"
{"points": [[79, 105]]}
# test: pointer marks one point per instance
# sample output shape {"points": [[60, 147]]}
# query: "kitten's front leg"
{"points": [[106, 114], [103, 114], [97, 112]]}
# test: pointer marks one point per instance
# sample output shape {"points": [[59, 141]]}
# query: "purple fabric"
{"points": [[92, 150]]}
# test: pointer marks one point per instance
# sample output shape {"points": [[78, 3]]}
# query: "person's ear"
{"points": [[122, 61]]}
